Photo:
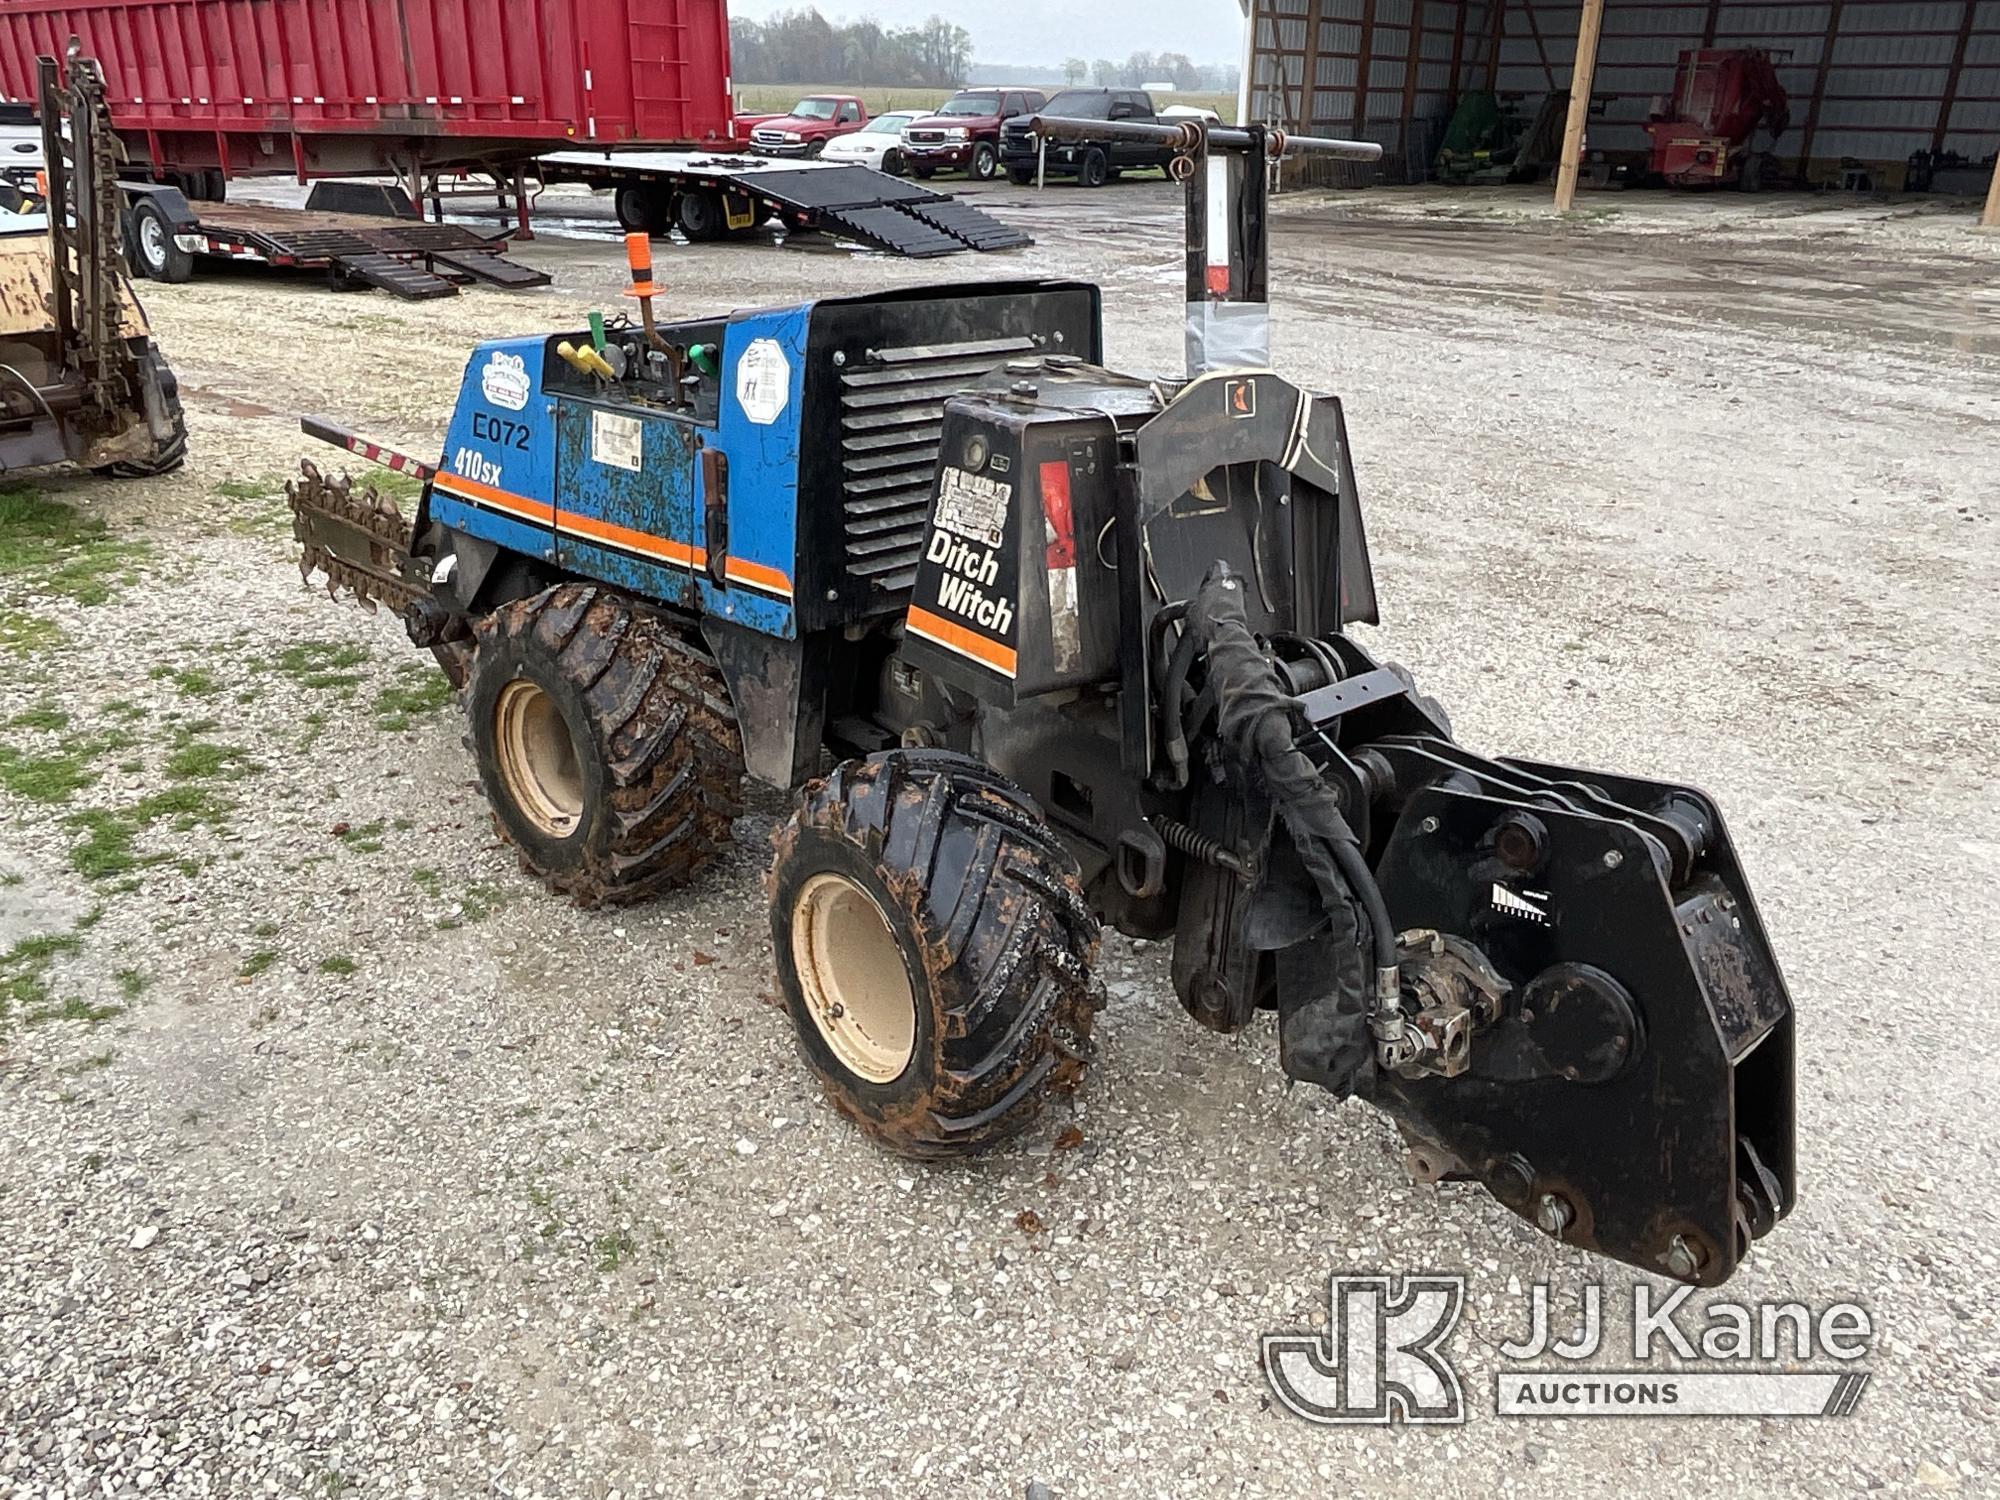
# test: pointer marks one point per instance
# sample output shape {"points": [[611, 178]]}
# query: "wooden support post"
{"points": [[1413, 56], [1364, 65], [1308, 117], [1493, 48], [1990, 219], [1579, 102], [1943, 126], [1819, 89]]}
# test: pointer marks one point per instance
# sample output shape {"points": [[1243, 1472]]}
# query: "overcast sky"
{"points": [[1027, 31]]}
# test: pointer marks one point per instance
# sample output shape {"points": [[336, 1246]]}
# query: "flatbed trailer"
{"points": [[409, 257], [708, 195], [203, 90]]}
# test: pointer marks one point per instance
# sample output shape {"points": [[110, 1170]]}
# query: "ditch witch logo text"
{"points": [[1384, 1357]]}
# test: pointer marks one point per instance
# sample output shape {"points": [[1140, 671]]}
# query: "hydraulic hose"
{"points": [[1254, 710]]}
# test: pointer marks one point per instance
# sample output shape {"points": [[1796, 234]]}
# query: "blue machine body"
{"points": [[611, 490], [766, 476]]}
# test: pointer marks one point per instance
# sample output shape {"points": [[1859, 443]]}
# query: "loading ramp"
{"points": [[850, 202]]}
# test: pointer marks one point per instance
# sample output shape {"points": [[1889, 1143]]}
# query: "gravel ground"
{"points": [[339, 1159]]}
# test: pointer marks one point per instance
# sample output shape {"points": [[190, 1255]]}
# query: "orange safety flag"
{"points": [[639, 255]]}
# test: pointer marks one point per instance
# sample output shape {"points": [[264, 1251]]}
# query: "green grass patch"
{"points": [[132, 983], [21, 633], [610, 1251], [206, 760], [396, 486], [322, 665], [257, 963], [249, 489], [73, 1009], [363, 838], [24, 970], [45, 716], [44, 778], [418, 693], [337, 963], [52, 548], [107, 842], [196, 682], [62, 773]]}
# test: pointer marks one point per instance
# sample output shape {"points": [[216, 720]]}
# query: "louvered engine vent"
{"points": [[891, 408]]}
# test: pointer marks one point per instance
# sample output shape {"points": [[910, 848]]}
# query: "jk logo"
{"points": [[1381, 1358]]}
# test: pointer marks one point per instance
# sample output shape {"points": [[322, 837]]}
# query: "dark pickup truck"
{"points": [[1092, 163]]}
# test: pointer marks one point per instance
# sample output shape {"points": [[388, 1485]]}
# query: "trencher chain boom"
{"points": [[1039, 647]]}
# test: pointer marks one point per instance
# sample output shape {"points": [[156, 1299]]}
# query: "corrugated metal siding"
{"points": [[1877, 94]]}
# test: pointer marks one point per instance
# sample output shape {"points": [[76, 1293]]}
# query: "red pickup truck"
{"points": [[965, 131], [814, 120]]}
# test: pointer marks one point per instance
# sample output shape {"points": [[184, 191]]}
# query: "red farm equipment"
{"points": [[207, 89], [1705, 135]]}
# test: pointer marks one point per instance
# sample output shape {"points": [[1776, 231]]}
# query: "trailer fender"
{"points": [[170, 201]]}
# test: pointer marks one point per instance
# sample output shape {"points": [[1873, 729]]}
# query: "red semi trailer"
{"points": [[311, 89]]}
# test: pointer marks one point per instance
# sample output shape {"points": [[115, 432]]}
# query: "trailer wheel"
{"points": [[606, 745], [699, 214], [933, 947], [154, 251], [642, 207], [1094, 169]]}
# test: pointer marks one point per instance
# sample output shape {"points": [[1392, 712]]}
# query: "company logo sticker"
{"points": [[763, 381], [504, 381], [1241, 398]]}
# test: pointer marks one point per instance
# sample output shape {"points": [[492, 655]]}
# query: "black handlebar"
{"points": [[1186, 135]]}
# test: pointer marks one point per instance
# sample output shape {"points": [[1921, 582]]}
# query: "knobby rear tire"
{"points": [[996, 939], [658, 755]]}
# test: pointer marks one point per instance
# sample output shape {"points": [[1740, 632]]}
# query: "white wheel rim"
{"points": [[153, 239], [537, 758], [857, 987]]}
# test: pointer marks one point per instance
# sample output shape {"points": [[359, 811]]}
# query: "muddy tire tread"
{"points": [[675, 761], [1013, 940]]}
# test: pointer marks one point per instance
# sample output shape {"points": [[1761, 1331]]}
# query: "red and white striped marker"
{"points": [[375, 453]]}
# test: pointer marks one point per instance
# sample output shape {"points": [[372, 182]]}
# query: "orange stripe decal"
{"points": [[610, 533], [485, 494], [678, 553], [951, 634], [757, 575]]}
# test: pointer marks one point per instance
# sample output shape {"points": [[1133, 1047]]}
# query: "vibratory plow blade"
{"points": [[359, 542], [1628, 1085]]}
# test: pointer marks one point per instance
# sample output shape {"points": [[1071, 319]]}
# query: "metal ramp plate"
{"points": [[975, 227], [392, 275], [834, 187], [890, 213], [890, 228], [490, 267]]}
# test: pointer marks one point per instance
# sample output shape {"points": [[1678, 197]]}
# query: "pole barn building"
{"points": [[1872, 83]]}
